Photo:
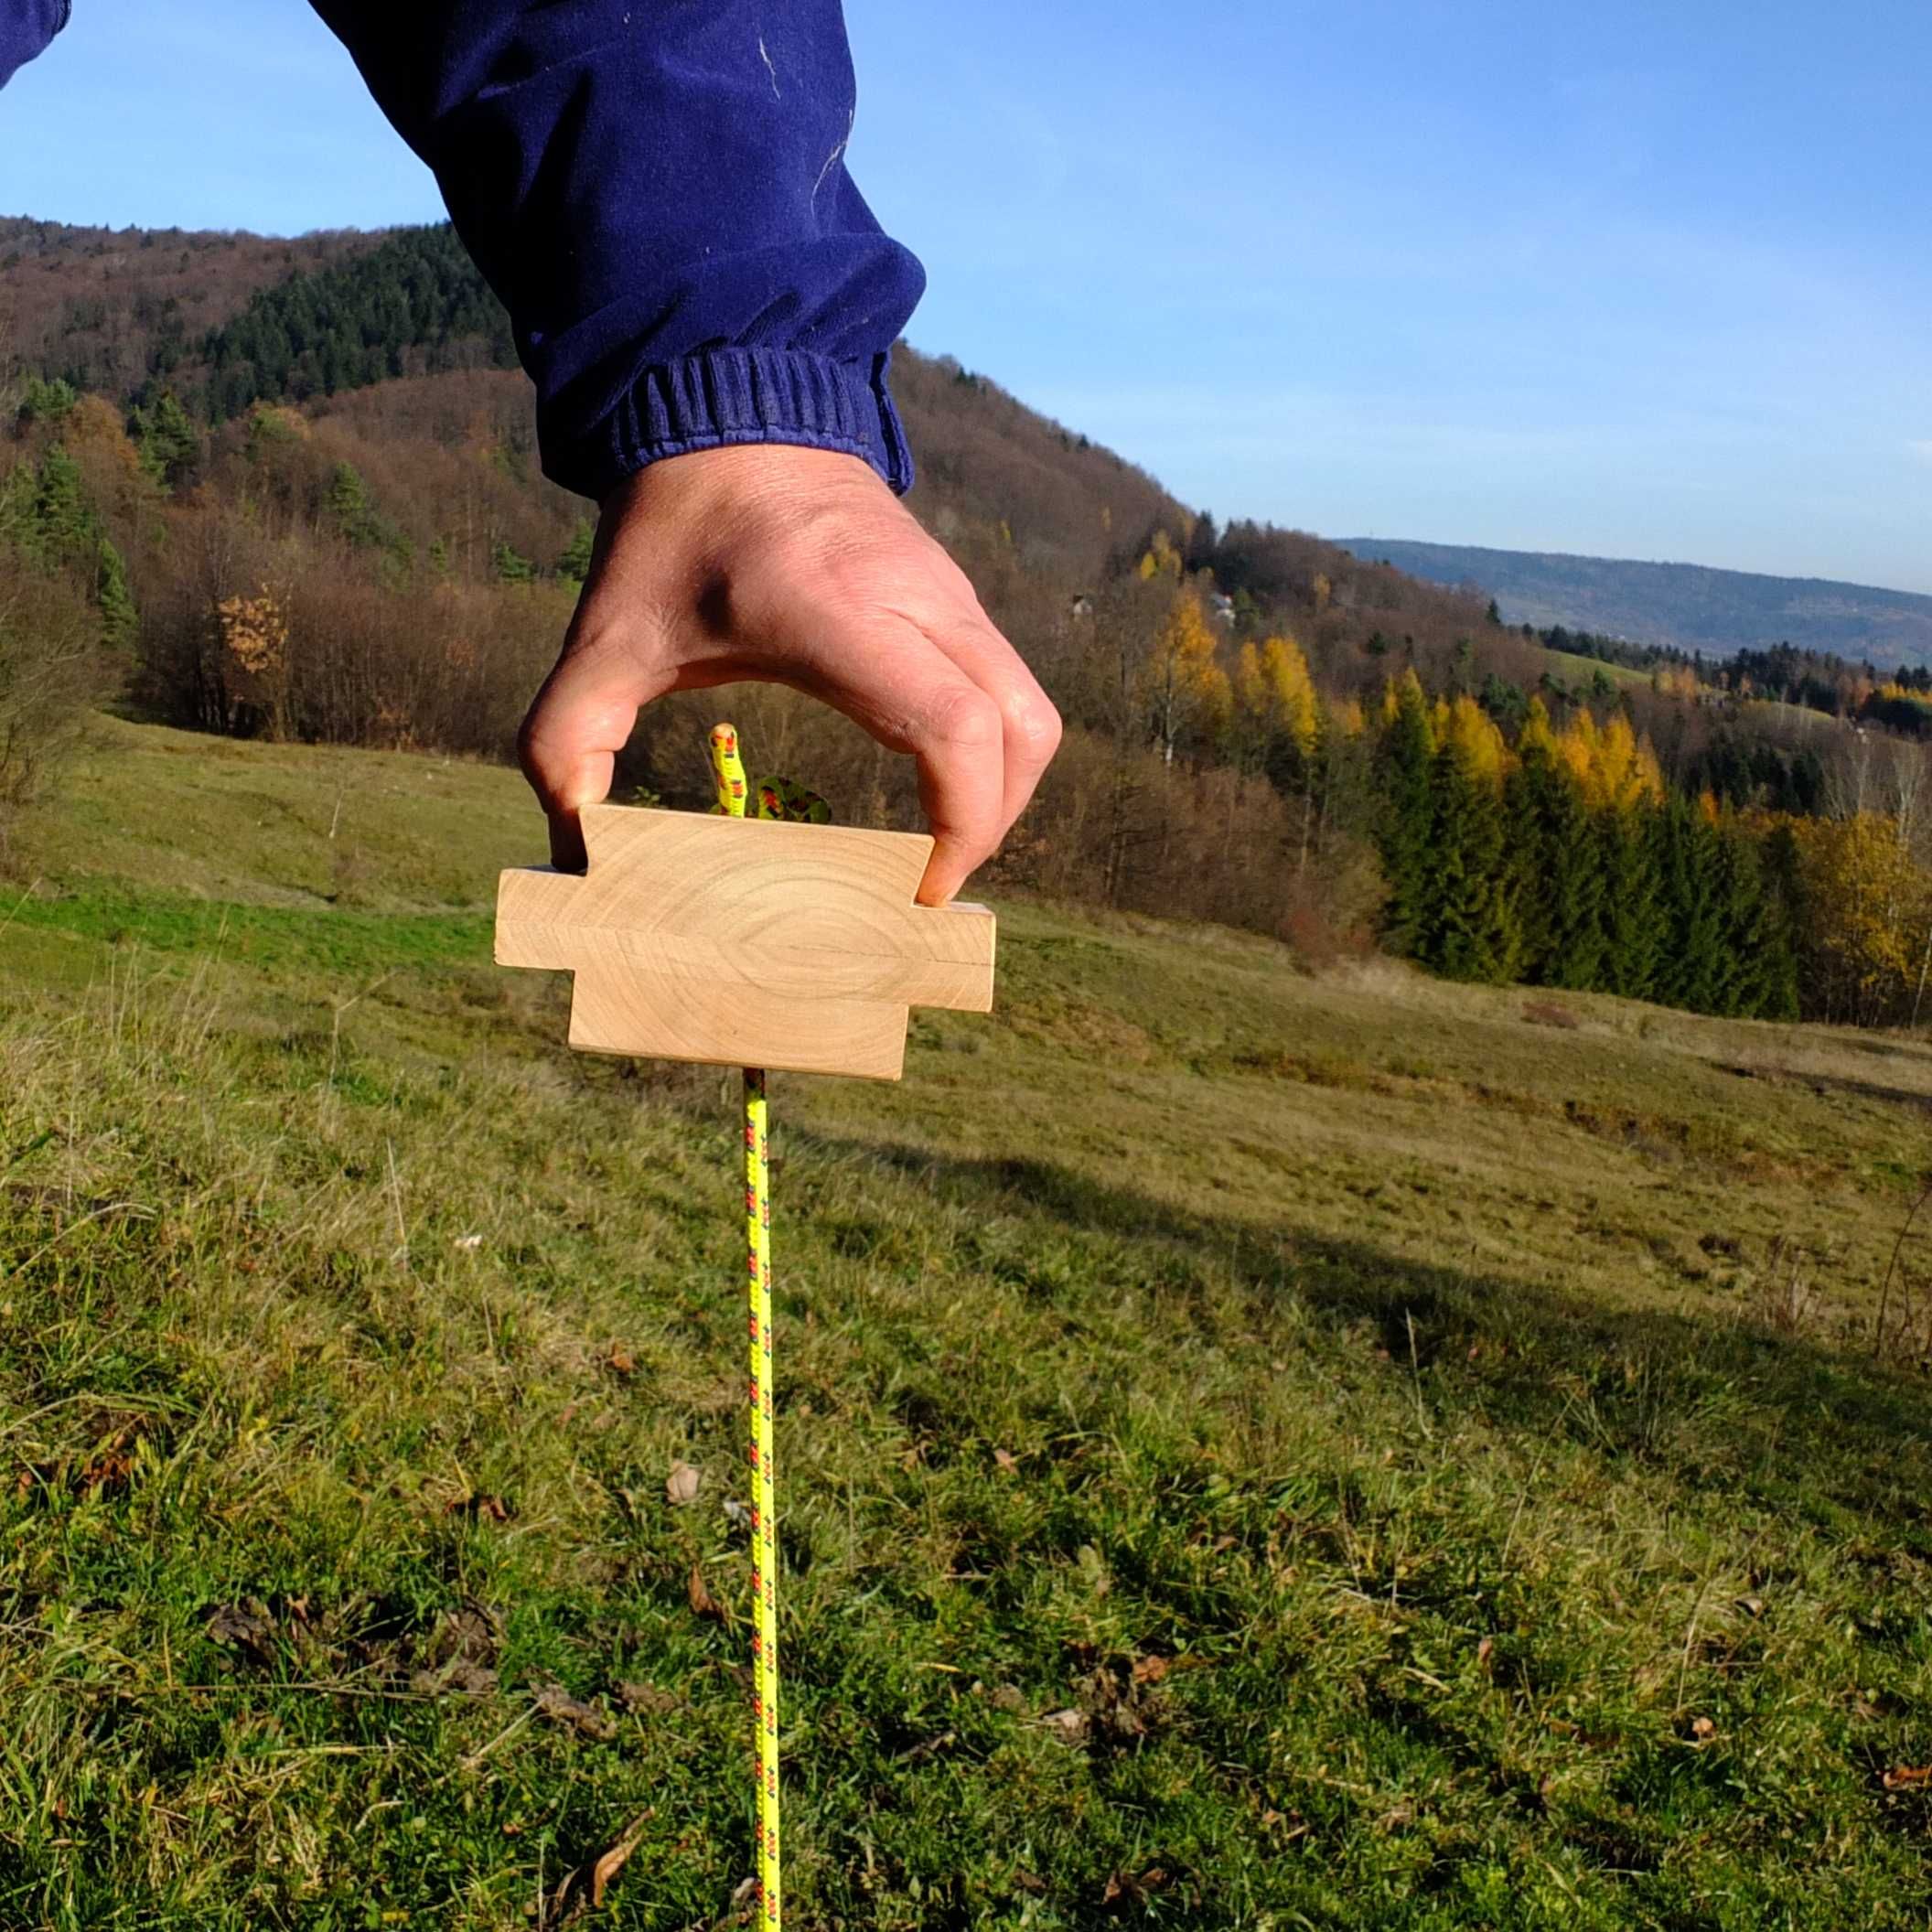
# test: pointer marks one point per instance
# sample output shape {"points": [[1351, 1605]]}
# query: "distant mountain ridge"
{"points": [[1688, 605]]}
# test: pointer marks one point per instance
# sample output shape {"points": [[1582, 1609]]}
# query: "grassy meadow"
{"points": [[1256, 1449]]}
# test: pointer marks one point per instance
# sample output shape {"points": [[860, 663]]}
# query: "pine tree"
{"points": [[1405, 820], [1693, 968], [114, 596], [18, 488], [1633, 921], [1468, 928], [1777, 922], [349, 507], [169, 444], [1760, 968], [574, 565], [509, 565], [1558, 860], [63, 526], [48, 403]]}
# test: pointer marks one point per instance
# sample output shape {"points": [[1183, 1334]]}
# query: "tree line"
{"points": [[1264, 731]]}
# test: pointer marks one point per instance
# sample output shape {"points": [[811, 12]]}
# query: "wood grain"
{"points": [[747, 941]]}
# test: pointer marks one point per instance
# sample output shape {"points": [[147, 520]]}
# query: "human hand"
{"points": [[800, 567]]}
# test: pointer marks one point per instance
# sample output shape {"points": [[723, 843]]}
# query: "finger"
{"points": [[890, 678], [960, 744], [1030, 726], [581, 720]]}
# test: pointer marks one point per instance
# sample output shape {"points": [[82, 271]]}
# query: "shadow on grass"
{"points": [[1720, 1400]]}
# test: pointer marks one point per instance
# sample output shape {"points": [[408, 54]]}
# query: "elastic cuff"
{"points": [[725, 396]]}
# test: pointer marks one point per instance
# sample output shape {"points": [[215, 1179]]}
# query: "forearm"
{"points": [[25, 27], [658, 194]]}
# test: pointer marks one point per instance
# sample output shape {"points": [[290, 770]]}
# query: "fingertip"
{"points": [[567, 850], [946, 871]]}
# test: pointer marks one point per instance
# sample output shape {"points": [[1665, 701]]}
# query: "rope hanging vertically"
{"points": [[730, 773]]}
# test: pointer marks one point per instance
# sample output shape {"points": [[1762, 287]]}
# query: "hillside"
{"points": [[111, 309], [225, 319], [1685, 604], [1255, 1447], [325, 522]]}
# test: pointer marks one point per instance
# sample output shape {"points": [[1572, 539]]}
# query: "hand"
{"points": [[801, 567]]}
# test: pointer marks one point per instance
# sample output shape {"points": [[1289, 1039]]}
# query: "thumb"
{"points": [[580, 721]]}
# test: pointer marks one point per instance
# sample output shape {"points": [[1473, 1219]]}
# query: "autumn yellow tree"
{"points": [[1188, 697], [1463, 726], [1278, 716], [253, 633], [1867, 903], [1160, 558], [1615, 770]]}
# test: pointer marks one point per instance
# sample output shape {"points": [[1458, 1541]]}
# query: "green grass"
{"points": [[1582, 670], [1257, 1450]]}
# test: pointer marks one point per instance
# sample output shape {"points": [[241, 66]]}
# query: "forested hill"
{"points": [[289, 490], [225, 321], [1686, 604]]}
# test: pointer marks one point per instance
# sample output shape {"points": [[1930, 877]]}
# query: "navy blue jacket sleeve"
{"points": [[657, 189], [25, 27]]}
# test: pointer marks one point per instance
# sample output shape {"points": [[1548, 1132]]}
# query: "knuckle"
{"points": [[964, 719], [1035, 724], [529, 741]]}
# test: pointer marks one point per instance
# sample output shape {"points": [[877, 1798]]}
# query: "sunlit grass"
{"points": [[1255, 1450]]}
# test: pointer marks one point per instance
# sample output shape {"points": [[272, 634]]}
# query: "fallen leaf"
{"points": [[458, 1656], [928, 1747], [614, 1861], [1132, 1889], [478, 1509], [557, 1704], [460, 1679], [620, 1359], [681, 1486], [1006, 1459], [703, 1603], [246, 1626], [1902, 1777], [1151, 1669], [1223, 1543], [646, 1699]]}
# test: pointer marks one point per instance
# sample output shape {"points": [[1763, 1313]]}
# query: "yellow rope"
{"points": [[764, 1503]]}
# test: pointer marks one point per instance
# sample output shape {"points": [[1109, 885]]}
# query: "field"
{"points": [[1258, 1449], [1580, 671]]}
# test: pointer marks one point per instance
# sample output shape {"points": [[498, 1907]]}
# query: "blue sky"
{"points": [[1635, 280]]}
